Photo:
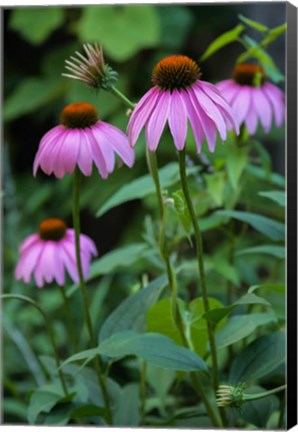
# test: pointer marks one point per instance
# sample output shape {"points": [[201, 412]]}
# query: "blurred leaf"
{"points": [[220, 264], [215, 186], [122, 30], [211, 222], [121, 257], [264, 155], [131, 313], [241, 326], [87, 411], [30, 95], [128, 412], [176, 22], [277, 196], [259, 358], [42, 401], [257, 412], [36, 24], [15, 408], [255, 50], [275, 251], [160, 380], [223, 40], [182, 210], [274, 178], [143, 186], [254, 24], [152, 347], [269, 227], [272, 287], [236, 162]]}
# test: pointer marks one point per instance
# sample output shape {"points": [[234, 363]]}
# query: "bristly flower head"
{"points": [[179, 95], [91, 70], [230, 396], [52, 251], [253, 98], [80, 140]]}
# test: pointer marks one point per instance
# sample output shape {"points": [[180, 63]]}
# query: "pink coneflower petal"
{"points": [[241, 103], [178, 120], [251, 120], [70, 151], [141, 114], [69, 261], [118, 142], [85, 156], [28, 242], [212, 111], [263, 108], [276, 97], [102, 151], [157, 120], [194, 122], [207, 124], [28, 261]]}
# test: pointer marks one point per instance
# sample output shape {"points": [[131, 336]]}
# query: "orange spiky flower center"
{"points": [[52, 229], [246, 74], [79, 115], [175, 72]]}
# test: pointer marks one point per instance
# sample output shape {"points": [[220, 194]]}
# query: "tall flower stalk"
{"points": [[84, 292]]}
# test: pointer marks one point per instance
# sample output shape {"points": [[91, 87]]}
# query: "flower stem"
{"points": [[84, 291], [49, 329], [199, 250], [121, 96], [249, 397], [69, 318], [143, 391]]}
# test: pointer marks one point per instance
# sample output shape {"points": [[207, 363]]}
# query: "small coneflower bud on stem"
{"points": [[234, 396]]}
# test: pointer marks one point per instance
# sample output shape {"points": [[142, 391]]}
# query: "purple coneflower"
{"points": [[250, 102], [80, 140], [51, 251], [179, 95]]}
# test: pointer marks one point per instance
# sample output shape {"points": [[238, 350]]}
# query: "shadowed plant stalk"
{"points": [[84, 292]]}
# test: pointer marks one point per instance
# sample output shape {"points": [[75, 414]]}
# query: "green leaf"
{"points": [[254, 24], [277, 196], [275, 251], [215, 186], [241, 326], [272, 287], [30, 95], [176, 22], [36, 24], [220, 264], [251, 298], [269, 227], [143, 186], [264, 156], [131, 313], [274, 178], [236, 162], [42, 401], [259, 358], [257, 412], [128, 413], [122, 30], [121, 257], [87, 411], [182, 210], [152, 347], [223, 40]]}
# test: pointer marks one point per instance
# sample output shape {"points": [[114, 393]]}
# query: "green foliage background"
{"points": [[36, 43]]}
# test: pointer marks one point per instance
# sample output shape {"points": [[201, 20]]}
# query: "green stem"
{"points": [[199, 250], [121, 96], [69, 319], [84, 291], [255, 396], [49, 330], [143, 391]]}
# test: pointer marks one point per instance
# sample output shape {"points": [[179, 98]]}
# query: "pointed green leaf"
{"points": [[277, 196], [254, 24], [182, 210], [275, 251], [215, 186], [236, 162], [223, 40]]}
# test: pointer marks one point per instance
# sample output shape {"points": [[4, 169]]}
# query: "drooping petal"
{"points": [[194, 121], [118, 141], [251, 120], [212, 111], [46, 158], [207, 124], [276, 97], [28, 261], [45, 268], [262, 107], [28, 242], [87, 245], [68, 255], [102, 150], [241, 103], [178, 120], [85, 155], [141, 114], [219, 100], [69, 153], [229, 91], [157, 120]]}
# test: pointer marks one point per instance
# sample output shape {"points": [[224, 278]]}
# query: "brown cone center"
{"points": [[52, 229], [79, 115], [246, 74]]}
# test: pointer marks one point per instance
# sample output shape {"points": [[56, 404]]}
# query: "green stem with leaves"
{"points": [[69, 318], [50, 332], [84, 292], [199, 251]]}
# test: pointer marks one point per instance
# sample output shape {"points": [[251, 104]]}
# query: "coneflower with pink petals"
{"points": [[253, 98], [82, 140], [51, 252], [178, 96]]}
